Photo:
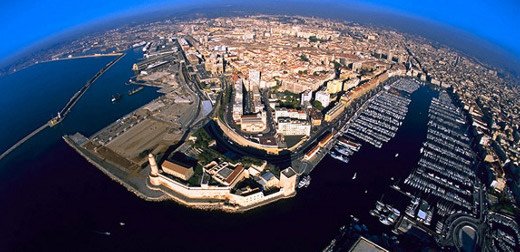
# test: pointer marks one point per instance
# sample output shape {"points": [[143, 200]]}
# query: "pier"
{"points": [[66, 109], [96, 55], [23, 140]]}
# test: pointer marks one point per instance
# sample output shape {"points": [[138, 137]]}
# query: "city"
{"points": [[248, 106]]}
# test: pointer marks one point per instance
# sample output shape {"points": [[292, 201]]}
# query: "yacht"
{"points": [[305, 181], [115, 97]]}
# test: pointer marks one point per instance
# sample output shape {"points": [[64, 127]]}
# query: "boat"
{"points": [[339, 157], [374, 212], [135, 90], [348, 143], [343, 150], [102, 233], [121, 223], [355, 175], [305, 181], [115, 97], [379, 205], [396, 154], [384, 220]]}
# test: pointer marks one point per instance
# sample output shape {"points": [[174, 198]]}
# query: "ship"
{"points": [[355, 175], [115, 97], [396, 154], [135, 90], [305, 181]]}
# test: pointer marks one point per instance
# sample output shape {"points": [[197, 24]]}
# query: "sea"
{"points": [[51, 199]]}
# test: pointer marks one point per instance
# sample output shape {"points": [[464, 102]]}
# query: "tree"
{"points": [[313, 39], [317, 105]]}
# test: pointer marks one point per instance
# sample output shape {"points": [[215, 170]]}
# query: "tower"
{"points": [[288, 181], [154, 170]]}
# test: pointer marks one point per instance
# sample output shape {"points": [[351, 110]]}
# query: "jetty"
{"points": [[66, 109]]}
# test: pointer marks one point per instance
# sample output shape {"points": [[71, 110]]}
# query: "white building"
{"points": [[290, 113], [253, 123], [238, 108], [323, 97], [293, 127], [306, 96], [254, 78]]}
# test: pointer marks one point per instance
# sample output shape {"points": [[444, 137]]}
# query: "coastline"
{"points": [[141, 187]]}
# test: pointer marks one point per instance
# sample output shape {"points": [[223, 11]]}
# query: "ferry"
{"points": [[115, 97], [304, 182]]}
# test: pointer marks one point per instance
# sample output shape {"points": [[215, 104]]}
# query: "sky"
{"points": [[26, 22]]}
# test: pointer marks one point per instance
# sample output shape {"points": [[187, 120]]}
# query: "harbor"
{"points": [[377, 121]]}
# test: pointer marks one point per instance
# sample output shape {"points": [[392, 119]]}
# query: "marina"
{"points": [[377, 121], [380, 119], [445, 169], [443, 188]]}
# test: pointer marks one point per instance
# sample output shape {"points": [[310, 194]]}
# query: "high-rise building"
{"points": [[254, 78], [238, 107]]}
